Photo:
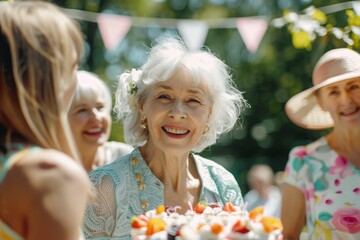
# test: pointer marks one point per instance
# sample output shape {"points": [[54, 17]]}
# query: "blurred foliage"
{"points": [[305, 28], [268, 77]]}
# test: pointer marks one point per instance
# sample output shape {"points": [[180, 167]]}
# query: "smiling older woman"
{"points": [[90, 121], [322, 179], [178, 104]]}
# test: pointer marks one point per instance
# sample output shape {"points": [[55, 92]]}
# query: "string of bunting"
{"points": [[113, 28]]}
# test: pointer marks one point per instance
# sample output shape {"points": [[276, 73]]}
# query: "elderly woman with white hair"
{"points": [[90, 121], [177, 104]]}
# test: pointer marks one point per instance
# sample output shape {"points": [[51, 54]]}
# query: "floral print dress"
{"points": [[331, 186]]}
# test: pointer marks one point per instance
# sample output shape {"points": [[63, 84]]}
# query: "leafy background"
{"points": [[268, 77]]}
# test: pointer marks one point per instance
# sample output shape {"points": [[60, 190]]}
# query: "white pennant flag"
{"points": [[113, 28], [252, 31], [193, 32]]}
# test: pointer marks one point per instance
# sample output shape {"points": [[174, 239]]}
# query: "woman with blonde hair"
{"points": [[43, 187]]}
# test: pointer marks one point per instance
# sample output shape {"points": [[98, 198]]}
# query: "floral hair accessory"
{"points": [[134, 76], [133, 88]]}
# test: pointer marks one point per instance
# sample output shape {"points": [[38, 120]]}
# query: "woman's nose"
{"points": [[345, 98], [95, 113], [178, 110]]}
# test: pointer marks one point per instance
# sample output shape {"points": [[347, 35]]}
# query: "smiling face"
{"points": [[177, 111], [342, 101], [90, 121]]}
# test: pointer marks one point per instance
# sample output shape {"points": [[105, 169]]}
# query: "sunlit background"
{"points": [[268, 76]]}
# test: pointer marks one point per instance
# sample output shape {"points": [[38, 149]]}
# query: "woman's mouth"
{"points": [[94, 132], [176, 131]]}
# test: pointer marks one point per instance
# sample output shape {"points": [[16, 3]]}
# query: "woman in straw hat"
{"points": [[322, 180]]}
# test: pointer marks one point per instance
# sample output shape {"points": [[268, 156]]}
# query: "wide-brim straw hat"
{"points": [[334, 66]]}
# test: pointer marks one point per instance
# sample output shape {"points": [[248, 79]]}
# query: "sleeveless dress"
{"points": [[6, 162]]}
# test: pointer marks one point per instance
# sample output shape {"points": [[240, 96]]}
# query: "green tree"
{"points": [[268, 77]]}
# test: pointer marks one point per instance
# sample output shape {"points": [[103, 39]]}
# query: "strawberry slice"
{"points": [[229, 207], [200, 207], [139, 221], [240, 227]]}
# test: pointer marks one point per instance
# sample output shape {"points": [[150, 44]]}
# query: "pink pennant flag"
{"points": [[252, 31], [193, 32], [113, 28]]}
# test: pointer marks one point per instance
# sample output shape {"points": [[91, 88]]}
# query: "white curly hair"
{"points": [[166, 57]]}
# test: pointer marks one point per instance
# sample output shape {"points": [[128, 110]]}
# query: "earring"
{"points": [[143, 123], [206, 129]]}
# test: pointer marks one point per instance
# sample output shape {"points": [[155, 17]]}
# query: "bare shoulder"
{"points": [[47, 168], [47, 180]]}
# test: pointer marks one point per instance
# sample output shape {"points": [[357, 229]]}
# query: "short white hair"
{"points": [[262, 173], [166, 57], [91, 86]]}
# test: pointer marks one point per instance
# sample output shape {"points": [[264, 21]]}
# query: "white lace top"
{"points": [[127, 187]]}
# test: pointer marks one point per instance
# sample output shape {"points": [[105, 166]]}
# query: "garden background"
{"points": [[277, 65]]}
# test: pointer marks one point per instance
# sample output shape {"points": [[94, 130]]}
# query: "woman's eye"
{"points": [[81, 110], [332, 93], [164, 96], [193, 100], [100, 107], [354, 87]]}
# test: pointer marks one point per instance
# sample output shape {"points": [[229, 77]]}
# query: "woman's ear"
{"points": [[210, 112], [141, 109]]}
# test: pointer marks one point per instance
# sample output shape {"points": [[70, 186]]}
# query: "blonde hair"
{"points": [[38, 43], [167, 57]]}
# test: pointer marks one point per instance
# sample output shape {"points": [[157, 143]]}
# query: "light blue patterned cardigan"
{"points": [[127, 187]]}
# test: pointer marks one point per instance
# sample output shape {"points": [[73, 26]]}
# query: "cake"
{"points": [[206, 222]]}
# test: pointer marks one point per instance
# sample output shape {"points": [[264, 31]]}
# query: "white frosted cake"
{"points": [[206, 222]]}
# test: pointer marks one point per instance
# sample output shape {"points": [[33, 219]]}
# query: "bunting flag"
{"points": [[193, 32], [252, 30], [113, 28]]}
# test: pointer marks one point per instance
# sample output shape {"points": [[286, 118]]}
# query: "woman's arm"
{"points": [[292, 211]]}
